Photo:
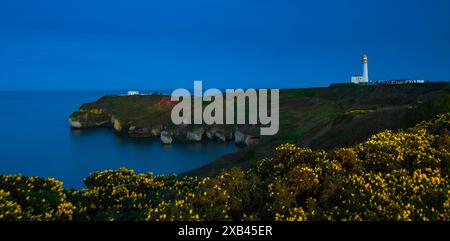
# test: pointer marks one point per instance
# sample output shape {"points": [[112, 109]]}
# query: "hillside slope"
{"points": [[340, 116]]}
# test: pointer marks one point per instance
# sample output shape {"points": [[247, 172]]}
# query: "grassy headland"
{"points": [[340, 115], [336, 116]]}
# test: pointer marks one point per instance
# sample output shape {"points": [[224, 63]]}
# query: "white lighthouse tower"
{"points": [[356, 79], [365, 68]]}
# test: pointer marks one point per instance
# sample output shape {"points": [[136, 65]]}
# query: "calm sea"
{"points": [[36, 140]]}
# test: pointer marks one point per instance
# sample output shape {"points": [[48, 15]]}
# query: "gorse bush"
{"points": [[34, 198], [391, 176]]}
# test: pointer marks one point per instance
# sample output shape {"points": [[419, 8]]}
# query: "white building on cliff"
{"points": [[357, 79], [133, 92]]}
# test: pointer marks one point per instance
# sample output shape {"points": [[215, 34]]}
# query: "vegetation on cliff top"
{"points": [[304, 113], [138, 110], [400, 175]]}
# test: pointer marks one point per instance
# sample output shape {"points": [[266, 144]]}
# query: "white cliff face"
{"points": [[75, 123], [85, 119], [116, 123], [195, 135], [166, 138]]}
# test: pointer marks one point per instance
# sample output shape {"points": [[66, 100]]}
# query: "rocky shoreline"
{"points": [[166, 133]]}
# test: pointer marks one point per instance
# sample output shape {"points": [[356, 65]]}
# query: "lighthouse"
{"points": [[357, 79], [365, 61]]}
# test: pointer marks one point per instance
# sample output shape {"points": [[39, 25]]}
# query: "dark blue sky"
{"points": [[168, 44]]}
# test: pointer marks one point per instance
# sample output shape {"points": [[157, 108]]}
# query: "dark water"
{"points": [[36, 141]]}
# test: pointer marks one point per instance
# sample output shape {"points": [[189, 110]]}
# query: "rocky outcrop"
{"points": [[156, 130], [134, 131], [166, 138], [239, 138], [76, 124], [242, 139], [116, 124], [195, 135], [88, 119], [211, 133], [220, 136], [91, 118], [97, 118]]}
